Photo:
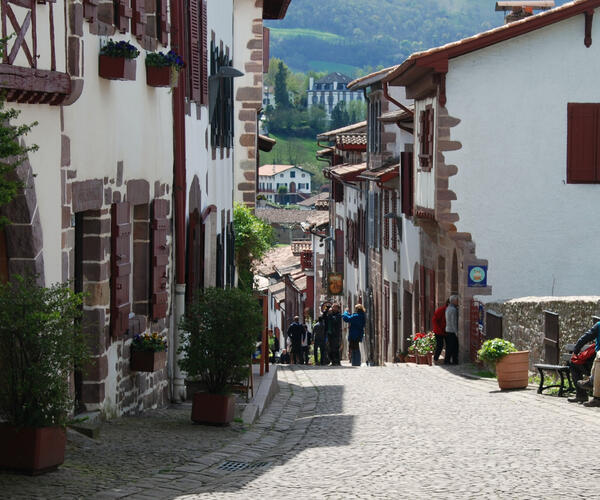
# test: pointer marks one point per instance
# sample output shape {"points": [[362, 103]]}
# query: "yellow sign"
{"points": [[335, 283]]}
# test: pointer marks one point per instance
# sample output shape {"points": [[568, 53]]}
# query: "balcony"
{"points": [[306, 260]]}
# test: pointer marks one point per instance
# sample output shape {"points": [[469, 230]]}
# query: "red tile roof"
{"points": [[345, 172], [365, 81], [269, 170], [437, 58], [355, 127], [351, 141]]}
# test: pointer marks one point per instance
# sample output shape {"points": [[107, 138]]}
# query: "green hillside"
{"points": [[370, 33]]}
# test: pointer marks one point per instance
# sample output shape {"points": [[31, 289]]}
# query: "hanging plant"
{"points": [[162, 70]]}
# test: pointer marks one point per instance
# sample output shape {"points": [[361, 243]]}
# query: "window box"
{"points": [[161, 76], [117, 68], [147, 361]]}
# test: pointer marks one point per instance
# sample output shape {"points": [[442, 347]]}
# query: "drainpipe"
{"points": [[387, 95], [179, 192]]}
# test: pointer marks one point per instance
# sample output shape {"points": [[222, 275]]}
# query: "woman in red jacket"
{"points": [[439, 328]]}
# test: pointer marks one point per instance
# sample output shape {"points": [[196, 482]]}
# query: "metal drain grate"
{"points": [[232, 466]]}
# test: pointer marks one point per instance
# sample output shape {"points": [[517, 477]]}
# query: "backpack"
{"points": [[584, 356]]}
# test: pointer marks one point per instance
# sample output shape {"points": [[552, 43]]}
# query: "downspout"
{"points": [[387, 95], [370, 308], [179, 188]]}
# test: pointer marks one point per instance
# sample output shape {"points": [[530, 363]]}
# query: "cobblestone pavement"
{"points": [[402, 431]]}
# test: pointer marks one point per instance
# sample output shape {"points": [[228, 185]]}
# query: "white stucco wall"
{"points": [[300, 177], [511, 98]]}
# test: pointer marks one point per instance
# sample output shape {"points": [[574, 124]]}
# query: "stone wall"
{"points": [[523, 320]]}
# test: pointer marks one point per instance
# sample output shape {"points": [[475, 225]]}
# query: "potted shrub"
{"points": [[162, 70], [511, 366], [148, 353], [117, 60], [424, 346], [218, 335], [40, 343]]}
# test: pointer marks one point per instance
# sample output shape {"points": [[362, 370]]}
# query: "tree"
{"points": [[253, 237], [12, 152], [339, 116], [357, 111], [282, 98]]}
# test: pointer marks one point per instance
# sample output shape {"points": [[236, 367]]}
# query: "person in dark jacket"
{"points": [[320, 341], [294, 332], [334, 333], [592, 335], [356, 332]]}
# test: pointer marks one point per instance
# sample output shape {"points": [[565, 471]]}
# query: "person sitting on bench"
{"points": [[580, 365], [592, 335]]}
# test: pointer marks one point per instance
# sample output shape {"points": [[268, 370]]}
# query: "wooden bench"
{"points": [[562, 370]]}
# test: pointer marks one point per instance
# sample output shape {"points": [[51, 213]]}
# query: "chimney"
{"points": [[520, 9]]}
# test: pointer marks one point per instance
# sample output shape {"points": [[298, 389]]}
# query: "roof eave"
{"points": [[275, 9]]}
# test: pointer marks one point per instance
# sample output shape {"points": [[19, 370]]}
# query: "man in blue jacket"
{"points": [[356, 331]]}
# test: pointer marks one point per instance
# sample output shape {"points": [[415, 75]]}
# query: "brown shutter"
{"points": [[339, 250], [394, 222], [266, 49], [160, 258], [356, 237], [163, 22], [194, 62], [430, 130], [348, 238], [90, 10], [120, 264], [407, 183], [583, 143], [193, 256], [204, 53], [422, 302], [386, 221], [138, 23], [122, 15]]}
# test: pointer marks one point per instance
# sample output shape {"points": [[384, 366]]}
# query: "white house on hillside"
{"points": [[330, 90], [296, 180]]}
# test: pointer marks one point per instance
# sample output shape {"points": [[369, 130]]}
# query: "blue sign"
{"points": [[477, 276]]}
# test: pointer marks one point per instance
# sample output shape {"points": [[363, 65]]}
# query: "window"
{"points": [[583, 146], [374, 126], [196, 50], [280, 175], [303, 175], [292, 174], [426, 126], [221, 118]]}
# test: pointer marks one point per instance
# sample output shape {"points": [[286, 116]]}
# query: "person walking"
{"points": [[451, 357], [319, 341], [306, 341], [356, 332], [439, 329], [294, 332], [334, 333]]}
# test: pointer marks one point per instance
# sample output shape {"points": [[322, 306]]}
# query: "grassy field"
{"points": [[295, 32], [296, 151]]}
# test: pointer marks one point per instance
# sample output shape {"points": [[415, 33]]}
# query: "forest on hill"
{"points": [[356, 36]]}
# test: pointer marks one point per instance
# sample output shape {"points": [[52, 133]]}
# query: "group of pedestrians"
{"points": [[445, 328], [326, 336]]}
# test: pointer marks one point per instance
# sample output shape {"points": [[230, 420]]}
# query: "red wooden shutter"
{"points": [[193, 258], [348, 238], [122, 15], [394, 222], [431, 294], [356, 238], [339, 250], [583, 159], [138, 23], [160, 258], [194, 62], [429, 138], [363, 231], [90, 10], [422, 301], [407, 183], [386, 221], [163, 22], [204, 53], [120, 264]]}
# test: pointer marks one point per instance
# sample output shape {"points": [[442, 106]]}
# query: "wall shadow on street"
{"points": [[328, 428]]}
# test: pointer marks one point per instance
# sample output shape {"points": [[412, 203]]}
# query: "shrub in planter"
{"points": [[117, 60], [218, 335], [40, 344], [511, 366], [162, 70]]}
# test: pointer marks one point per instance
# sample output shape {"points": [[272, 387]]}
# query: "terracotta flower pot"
{"points": [[160, 76], [214, 409], [33, 450], [513, 370], [147, 361], [116, 68], [410, 358]]}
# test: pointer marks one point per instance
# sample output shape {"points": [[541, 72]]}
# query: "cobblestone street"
{"points": [[401, 431]]}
